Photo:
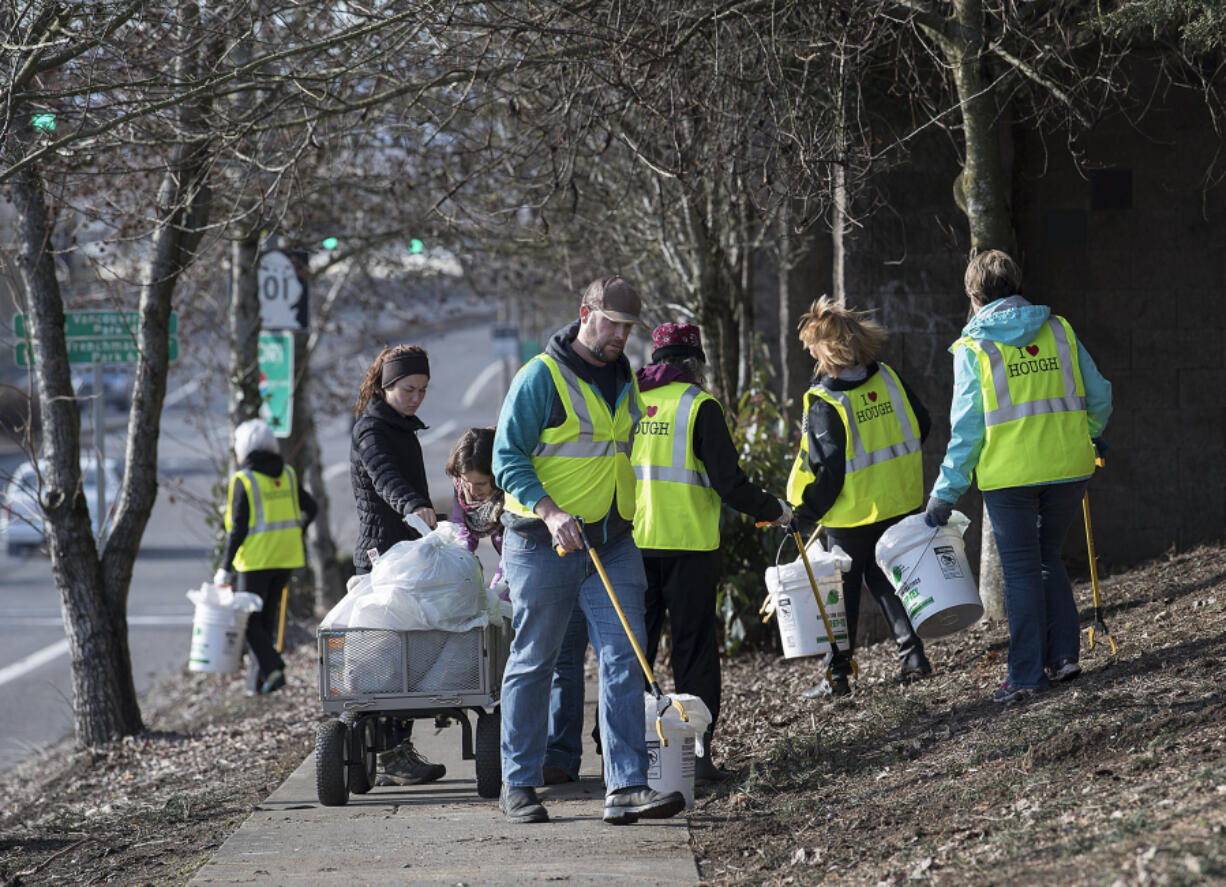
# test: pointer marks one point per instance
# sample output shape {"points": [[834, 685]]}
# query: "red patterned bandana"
{"points": [[677, 340]]}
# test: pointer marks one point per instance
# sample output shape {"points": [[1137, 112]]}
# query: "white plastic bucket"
{"points": [[931, 575], [217, 639], [671, 768], [801, 629], [219, 626]]}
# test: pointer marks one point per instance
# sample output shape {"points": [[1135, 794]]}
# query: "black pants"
{"points": [[860, 543], [263, 658], [684, 586]]}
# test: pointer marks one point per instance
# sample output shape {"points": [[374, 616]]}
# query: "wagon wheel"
{"points": [[331, 771], [489, 753], [361, 756]]}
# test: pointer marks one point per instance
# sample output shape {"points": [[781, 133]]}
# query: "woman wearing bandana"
{"points": [[389, 484]]}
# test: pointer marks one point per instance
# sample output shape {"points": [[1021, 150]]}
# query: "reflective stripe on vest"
{"points": [[1006, 410], [862, 459], [584, 463], [270, 544], [878, 483], [683, 516], [1037, 430]]}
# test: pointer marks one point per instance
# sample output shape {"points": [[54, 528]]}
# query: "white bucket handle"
{"points": [[936, 531]]}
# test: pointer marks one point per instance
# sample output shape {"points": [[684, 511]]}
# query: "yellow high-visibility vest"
{"points": [[584, 461], [1034, 410], [274, 521], [674, 507], [883, 473]]}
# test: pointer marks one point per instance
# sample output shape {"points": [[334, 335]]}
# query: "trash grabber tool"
{"points": [[1098, 625], [794, 529], [662, 702], [767, 610], [281, 620]]}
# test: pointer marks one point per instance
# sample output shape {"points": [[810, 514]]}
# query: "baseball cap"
{"points": [[616, 299]]}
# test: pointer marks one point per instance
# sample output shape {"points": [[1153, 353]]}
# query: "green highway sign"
{"points": [[96, 337], [97, 351], [277, 380], [97, 324]]}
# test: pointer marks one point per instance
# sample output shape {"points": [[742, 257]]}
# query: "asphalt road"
{"points": [[466, 388]]}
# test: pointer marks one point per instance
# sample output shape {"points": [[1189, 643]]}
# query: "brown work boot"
{"points": [[403, 765]]}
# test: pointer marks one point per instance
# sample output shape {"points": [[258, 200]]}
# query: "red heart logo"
{"points": [[651, 411], [872, 395], [1032, 350]]}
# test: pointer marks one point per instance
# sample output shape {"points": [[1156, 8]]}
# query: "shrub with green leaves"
{"points": [[766, 448]]}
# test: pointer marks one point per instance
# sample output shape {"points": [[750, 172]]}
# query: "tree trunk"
{"points": [[982, 193], [329, 580], [244, 327], [104, 698], [784, 241]]}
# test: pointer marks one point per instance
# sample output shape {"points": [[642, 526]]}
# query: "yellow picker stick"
{"points": [[1098, 624], [762, 610], [281, 622], [817, 595], [662, 702]]}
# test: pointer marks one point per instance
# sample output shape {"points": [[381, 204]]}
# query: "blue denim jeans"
{"points": [[544, 591], [565, 748], [1029, 524]]}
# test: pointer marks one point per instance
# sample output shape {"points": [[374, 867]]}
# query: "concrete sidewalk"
{"points": [[445, 834]]}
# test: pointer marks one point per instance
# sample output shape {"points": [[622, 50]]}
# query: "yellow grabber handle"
{"points": [[766, 617], [281, 621], [817, 595], [662, 702], [1097, 624]]}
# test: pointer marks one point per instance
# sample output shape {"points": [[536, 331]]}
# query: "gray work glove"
{"points": [[786, 517], [938, 511]]}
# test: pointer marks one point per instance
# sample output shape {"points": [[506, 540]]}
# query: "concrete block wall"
{"points": [[1130, 246]]}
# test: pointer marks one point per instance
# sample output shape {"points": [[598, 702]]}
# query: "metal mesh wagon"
{"points": [[375, 681]]}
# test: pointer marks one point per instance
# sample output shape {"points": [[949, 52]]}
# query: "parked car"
{"points": [[21, 521], [116, 386]]}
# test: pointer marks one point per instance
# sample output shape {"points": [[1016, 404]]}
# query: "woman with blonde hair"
{"points": [[859, 469], [388, 476]]}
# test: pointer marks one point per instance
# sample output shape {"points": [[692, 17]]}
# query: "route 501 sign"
{"points": [[283, 294]]}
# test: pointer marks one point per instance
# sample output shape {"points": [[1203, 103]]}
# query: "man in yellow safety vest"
{"points": [[561, 453]]}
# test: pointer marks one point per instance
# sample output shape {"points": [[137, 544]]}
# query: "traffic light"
{"points": [[416, 246], [44, 121], [330, 243]]}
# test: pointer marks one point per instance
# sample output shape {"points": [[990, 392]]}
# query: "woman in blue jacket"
{"points": [[1028, 406]]}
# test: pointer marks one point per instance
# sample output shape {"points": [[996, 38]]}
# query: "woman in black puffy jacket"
{"points": [[389, 483], [385, 461]]}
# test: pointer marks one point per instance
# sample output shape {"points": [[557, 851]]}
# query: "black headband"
{"points": [[396, 368], [680, 351]]}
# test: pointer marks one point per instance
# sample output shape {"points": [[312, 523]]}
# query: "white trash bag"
{"points": [[341, 616], [223, 597], [428, 584]]}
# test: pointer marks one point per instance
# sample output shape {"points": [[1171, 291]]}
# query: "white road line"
{"points": [[481, 383], [181, 392], [33, 661], [50, 621], [336, 469], [438, 433]]}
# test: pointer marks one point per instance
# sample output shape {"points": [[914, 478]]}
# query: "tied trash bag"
{"points": [[432, 583], [223, 597]]}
